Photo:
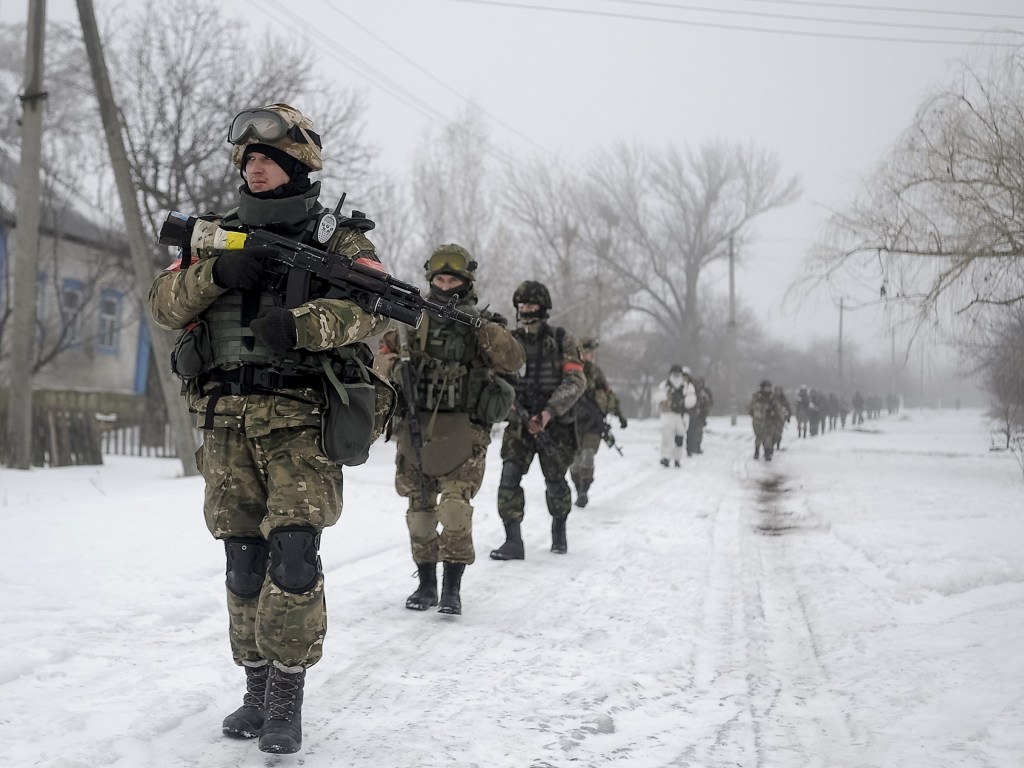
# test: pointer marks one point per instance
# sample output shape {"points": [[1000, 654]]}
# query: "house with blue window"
{"points": [[89, 334]]}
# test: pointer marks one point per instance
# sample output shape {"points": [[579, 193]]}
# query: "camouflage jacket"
{"points": [[181, 294], [598, 400], [457, 351]]}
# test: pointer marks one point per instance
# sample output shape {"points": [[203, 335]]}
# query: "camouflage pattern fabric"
{"points": [[449, 506], [304, 151], [519, 447], [254, 485]]}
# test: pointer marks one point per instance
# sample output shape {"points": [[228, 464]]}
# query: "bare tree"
{"points": [[939, 224], [669, 215]]}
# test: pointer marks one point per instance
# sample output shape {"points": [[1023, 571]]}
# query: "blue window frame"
{"points": [[72, 300], [108, 337]]}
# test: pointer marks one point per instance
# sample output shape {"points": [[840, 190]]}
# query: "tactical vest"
{"points": [[543, 367], [449, 367], [677, 397]]}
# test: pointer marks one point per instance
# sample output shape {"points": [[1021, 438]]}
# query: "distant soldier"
{"points": [[784, 414], [442, 448], [832, 409], [543, 423], [764, 412], [803, 410], [858, 408], [699, 417], [844, 411], [676, 397], [598, 401]]}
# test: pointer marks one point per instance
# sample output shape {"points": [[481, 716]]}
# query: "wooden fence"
{"points": [[72, 428]]}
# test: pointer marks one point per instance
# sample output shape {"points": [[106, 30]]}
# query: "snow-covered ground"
{"points": [[858, 602]]}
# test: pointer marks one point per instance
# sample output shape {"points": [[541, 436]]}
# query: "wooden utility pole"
{"points": [[840, 342], [138, 242], [732, 334], [26, 248]]}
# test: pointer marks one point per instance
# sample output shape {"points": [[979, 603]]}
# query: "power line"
{"points": [[433, 77], [888, 9], [731, 27], [793, 17]]}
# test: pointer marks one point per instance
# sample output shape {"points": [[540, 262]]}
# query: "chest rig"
{"points": [[543, 366], [449, 367]]}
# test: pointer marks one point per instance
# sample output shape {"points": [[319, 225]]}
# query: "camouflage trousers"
{"points": [[254, 485], [582, 469], [518, 448], [447, 504], [673, 434]]}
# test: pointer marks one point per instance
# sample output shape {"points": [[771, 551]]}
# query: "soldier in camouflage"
{"points": [[597, 402], [765, 412], [543, 422], [676, 398], [454, 373], [259, 397]]}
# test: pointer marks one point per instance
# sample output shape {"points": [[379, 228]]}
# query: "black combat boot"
{"points": [[451, 582], [558, 542], [247, 721], [512, 549], [282, 731], [581, 495], [425, 595]]}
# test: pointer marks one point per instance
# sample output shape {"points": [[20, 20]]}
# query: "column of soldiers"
{"points": [[268, 364]]}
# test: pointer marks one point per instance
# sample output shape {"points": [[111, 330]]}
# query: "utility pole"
{"points": [[138, 242], [26, 253], [732, 334], [840, 342]]}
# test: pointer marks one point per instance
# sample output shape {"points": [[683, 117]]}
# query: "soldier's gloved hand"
{"points": [[239, 269], [622, 422], [275, 327]]}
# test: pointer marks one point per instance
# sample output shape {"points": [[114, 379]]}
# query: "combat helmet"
{"points": [[532, 292], [589, 342], [278, 125], [766, 385], [451, 259]]}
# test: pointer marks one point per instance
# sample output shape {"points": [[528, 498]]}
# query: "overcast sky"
{"points": [[570, 76]]}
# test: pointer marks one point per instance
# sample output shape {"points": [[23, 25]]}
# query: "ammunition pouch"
{"points": [[495, 399], [193, 351], [359, 406], [447, 442]]}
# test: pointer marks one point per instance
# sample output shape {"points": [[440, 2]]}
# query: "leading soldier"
{"points": [[451, 375], [257, 385], [543, 422]]}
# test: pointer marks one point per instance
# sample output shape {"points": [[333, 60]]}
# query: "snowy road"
{"points": [[858, 602]]}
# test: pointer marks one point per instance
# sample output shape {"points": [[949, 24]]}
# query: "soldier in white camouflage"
{"points": [[453, 374], [543, 422], [253, 375]]}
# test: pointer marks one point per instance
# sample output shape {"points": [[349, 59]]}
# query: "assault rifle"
{"points": [[296, 265], [544, 441], [413, 416], [608, 437]]}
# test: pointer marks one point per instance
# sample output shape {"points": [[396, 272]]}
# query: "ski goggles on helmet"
{"points": [[267, 126], [450, 261]]}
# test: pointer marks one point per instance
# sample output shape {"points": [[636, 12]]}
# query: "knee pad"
{"points": [[294, 564], [511, 475], [247, 564], [555, 489], [679, 441]]}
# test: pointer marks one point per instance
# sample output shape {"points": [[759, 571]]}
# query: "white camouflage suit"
{"points": [[673, 422]]}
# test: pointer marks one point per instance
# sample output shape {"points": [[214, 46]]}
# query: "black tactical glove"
{"points": [[275, 327], [239, 269], [622, 422]]}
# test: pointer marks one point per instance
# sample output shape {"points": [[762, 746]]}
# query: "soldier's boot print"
{"points": [[282, 731], [581, 494], [512, 549], [425, 595], [451, 583], [559, 545], [247, 721]]}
